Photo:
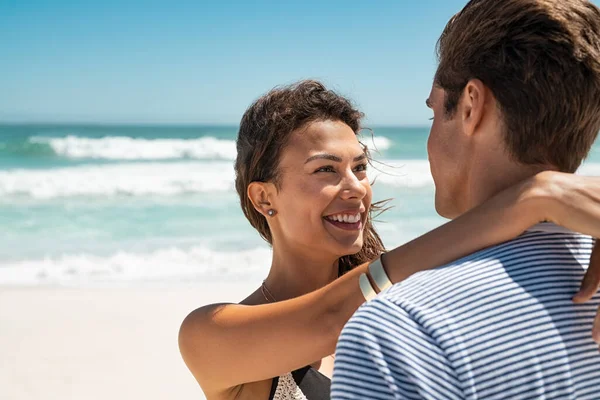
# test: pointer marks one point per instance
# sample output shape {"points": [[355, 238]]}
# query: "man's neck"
{"points": [[490, 177]]}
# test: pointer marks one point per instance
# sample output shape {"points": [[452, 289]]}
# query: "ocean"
{"points": [[145, 205]]}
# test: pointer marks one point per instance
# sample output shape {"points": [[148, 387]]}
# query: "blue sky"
{"points": [[205, 62]]}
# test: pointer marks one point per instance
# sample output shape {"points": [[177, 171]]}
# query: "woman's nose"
{"points": [[352, 187]]}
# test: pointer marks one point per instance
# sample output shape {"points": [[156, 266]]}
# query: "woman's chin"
{"points": [[343, 246], [352, 249]]}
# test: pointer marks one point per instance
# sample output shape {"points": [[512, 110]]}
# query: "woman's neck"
{"points": [[294, 273]]}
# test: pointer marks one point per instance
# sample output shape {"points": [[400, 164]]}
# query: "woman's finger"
{"points": [[591, 280]]}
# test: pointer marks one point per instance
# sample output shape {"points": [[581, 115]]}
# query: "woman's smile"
{"points": [[349, 220]]}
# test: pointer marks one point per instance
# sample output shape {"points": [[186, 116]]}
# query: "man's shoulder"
{"points": [[469, 275], [497, 288], [502, 311]]}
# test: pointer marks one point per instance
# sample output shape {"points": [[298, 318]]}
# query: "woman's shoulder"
{"points": [[204, 315], [200, 337]]}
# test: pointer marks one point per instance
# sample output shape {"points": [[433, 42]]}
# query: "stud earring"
{"points": [[271, 212]]}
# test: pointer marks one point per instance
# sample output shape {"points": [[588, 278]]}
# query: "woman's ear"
{"points": [[261, 196]]}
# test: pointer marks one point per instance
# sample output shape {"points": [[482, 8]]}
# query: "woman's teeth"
{"points": [[347, 218]]}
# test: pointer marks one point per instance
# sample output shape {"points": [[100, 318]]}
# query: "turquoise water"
{"points": [[119, 204]]}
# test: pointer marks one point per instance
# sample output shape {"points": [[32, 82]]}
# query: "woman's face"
{"points": [[324, 193]]}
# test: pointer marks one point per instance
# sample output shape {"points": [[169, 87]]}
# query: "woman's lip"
{"points": [[355, 226]]}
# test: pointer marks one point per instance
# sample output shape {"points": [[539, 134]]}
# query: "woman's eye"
{"points": [[361, 167], [328, 168]]}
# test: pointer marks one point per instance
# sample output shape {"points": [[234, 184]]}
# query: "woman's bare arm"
{"points": [[226, 345]]}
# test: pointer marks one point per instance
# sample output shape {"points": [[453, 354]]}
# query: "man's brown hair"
{"points": [[541, 60]]}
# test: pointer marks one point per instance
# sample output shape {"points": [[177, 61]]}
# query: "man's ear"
{"points": [[473, 107], [261, 195]]}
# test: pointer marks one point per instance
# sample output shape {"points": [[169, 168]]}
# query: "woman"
{"points": [[301, 177]]}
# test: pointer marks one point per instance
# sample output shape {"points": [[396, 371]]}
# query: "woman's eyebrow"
{"points": [[331, 157], [323, 156]]}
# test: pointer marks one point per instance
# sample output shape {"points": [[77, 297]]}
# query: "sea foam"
{"points": [[119, 179], [128, 148], [171, 264]]}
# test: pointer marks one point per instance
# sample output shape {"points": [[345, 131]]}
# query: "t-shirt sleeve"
{"points": [[386, 353]]}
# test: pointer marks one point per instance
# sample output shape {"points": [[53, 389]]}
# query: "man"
{"points": [[516, 92]]}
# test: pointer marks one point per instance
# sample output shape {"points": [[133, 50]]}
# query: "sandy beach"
{"points": [[116, 343]]}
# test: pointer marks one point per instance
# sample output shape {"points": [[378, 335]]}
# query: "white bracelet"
{"points": [[379, 276], [366, 288]]}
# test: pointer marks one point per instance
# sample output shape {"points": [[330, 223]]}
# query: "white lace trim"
{"points": [[287, 389]]}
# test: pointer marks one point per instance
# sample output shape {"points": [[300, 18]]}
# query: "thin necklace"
{"points": [[265, 290]]}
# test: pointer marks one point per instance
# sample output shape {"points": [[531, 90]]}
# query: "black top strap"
{"points": [[313, 384]]}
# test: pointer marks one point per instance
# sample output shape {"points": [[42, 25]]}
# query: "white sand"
{"points": [[60, 343]]}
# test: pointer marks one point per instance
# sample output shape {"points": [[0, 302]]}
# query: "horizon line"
{"points": [[165, 124]]}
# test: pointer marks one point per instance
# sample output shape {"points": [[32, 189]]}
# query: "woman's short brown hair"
{"points": [[541, 60], [264, 132]]}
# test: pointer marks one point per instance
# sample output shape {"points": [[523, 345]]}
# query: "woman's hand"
{"points": [[574, 202], [589, 287]]}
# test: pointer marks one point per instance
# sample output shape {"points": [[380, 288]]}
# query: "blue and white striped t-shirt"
{"points": [[498, 324]]}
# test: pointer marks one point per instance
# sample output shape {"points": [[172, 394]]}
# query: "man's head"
{"points": [[517, 90]]}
